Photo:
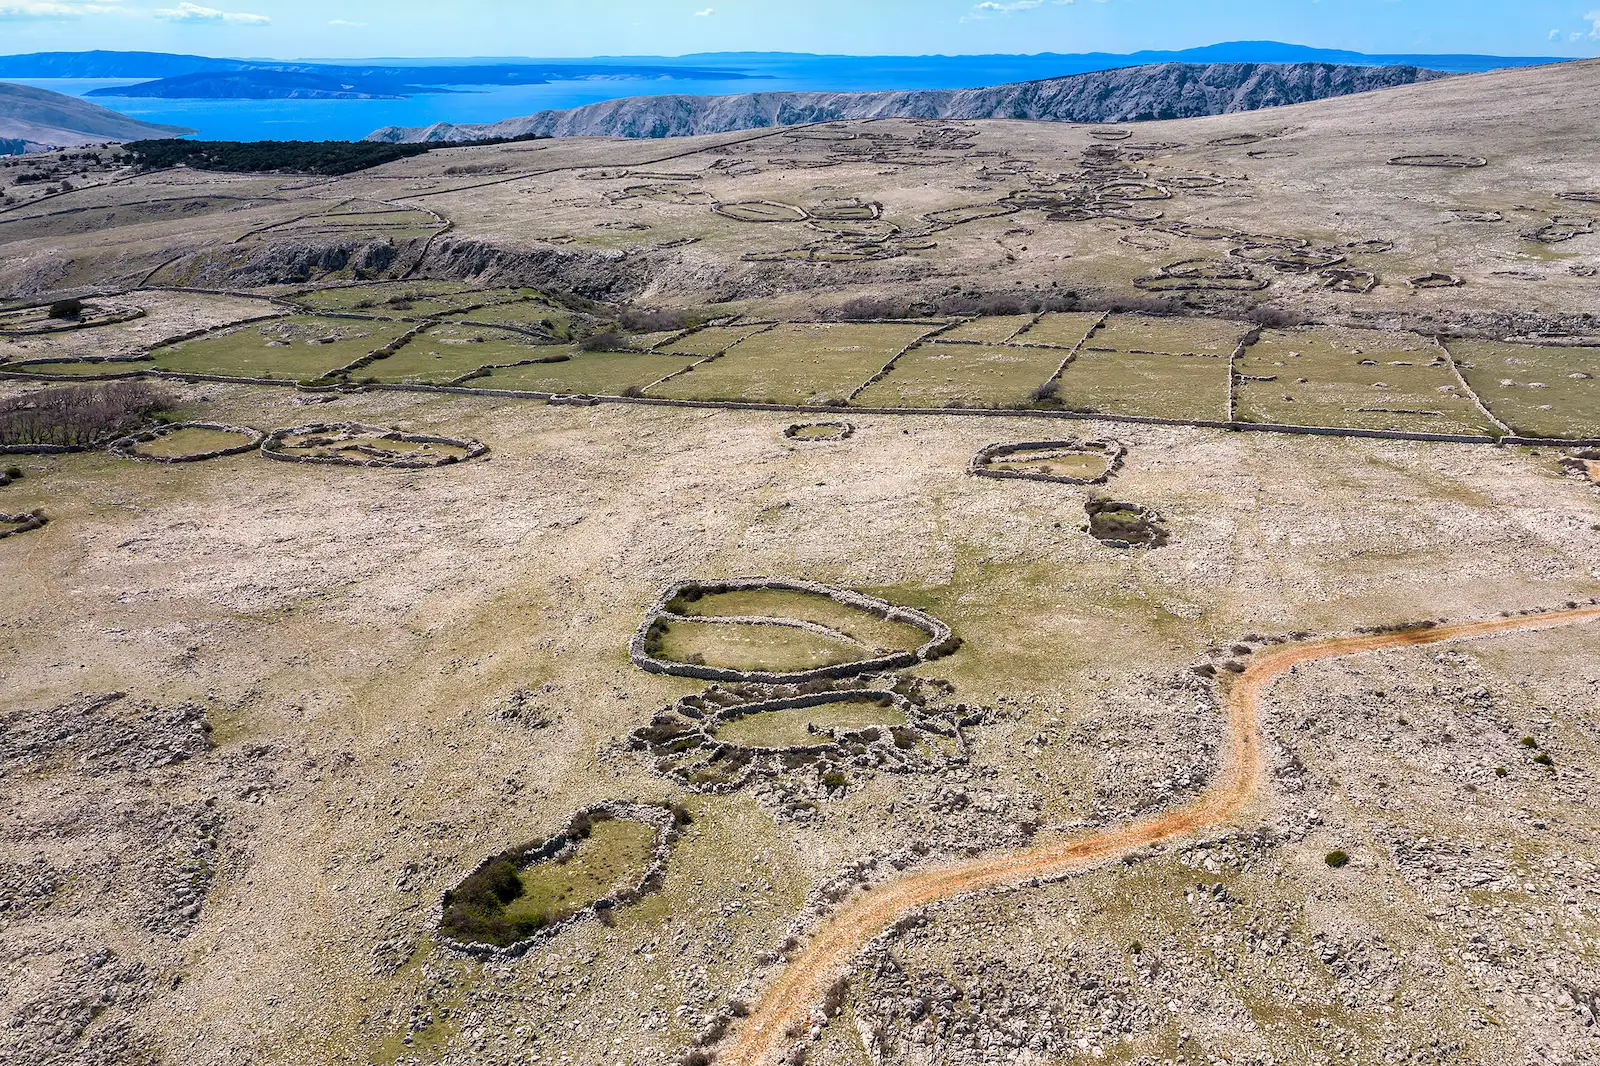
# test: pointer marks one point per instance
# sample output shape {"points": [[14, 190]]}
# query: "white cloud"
{"points": [[707, 13], [1593, 18], [187, 12], [346, 22], [56, 9]]}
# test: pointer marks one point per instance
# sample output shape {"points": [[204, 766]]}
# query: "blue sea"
{"points": [[247, 120]]}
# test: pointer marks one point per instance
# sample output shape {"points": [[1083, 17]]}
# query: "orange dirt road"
{"points": [[789, 1000]]}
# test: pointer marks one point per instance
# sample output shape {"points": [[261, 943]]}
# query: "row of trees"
{"points": [[80, 414]]}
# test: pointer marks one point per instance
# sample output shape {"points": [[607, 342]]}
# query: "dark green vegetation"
{"points": [[79, 415], [519, 892], [244, 157], [1337, 860], [1120, 524]]}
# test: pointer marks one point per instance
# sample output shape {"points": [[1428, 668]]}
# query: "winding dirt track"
{"points": [[789, 1000]]}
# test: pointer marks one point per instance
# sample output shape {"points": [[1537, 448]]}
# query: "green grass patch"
{"points": [[864, 626], [425, 297], [500, 904], [191, 441], [1061, 463], [1152, 386], [1534, 390], [1169, 336], [444, 353], [747, 646], [789, 729], [1064, 329], [1363, 379], [77, 368], [535, 312], [587, 373], [964, 375], [709, 341], [990, 329], [294, 348], [804, 363]]}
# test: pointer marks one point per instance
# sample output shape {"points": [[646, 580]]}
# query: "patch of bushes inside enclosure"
{"points": [[78, 415], [521, 891], [1125, 523]]}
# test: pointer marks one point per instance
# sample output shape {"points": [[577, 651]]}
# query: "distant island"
{"points": [[190, 77], [1159, 91]]}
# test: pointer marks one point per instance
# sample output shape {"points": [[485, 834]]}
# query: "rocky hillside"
{"points": [[1131, 94], [41, 117]]}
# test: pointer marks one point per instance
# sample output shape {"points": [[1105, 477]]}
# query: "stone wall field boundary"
{"points": [[1114, 452], [272, 446], [125, 447], [941, 641], [662, 818]]}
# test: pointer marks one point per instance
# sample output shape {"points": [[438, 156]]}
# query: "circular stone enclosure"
{"points": [[760, 211], [1429, 159], [608, 855], [30, 321], [188, 442], [354, 444], [818, 432], [697, 607], [1063, 462]]}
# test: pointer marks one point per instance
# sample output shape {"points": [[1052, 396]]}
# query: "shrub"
{"points": [[67, 309], [1047, 392], [642, 321], [1275, 318], [873, 309], [606, 341], [78, 415], [834, 779], [1544, 759], [1337, 860]]}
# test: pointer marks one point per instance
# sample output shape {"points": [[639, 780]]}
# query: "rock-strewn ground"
{"points": [[405, 671]]}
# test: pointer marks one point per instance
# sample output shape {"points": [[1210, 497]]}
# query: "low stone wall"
{"points": [[845, 431], [1113, 451], [273, 446], [557, 847], [683, 742], [941, 640], [127, 447], [22, 523], [126, 314]]}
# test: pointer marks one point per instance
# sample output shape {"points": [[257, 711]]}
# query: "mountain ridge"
{"points": [[1160, 91], [41, 117]]}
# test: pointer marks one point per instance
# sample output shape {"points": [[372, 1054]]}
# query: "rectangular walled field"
{"points": [[1169, 336], [282, 348], [1537, 391], [1065, 330], [968, 375], [446, 352], [1152, 386], [796, 363], [990, 329], [1360, 379], [586, 374], [709, 341]]}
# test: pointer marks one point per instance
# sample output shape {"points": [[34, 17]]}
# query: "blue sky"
{"points": [[301, 28]]}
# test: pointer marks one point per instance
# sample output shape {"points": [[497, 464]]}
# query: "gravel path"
{"points": [[787, 1004]]}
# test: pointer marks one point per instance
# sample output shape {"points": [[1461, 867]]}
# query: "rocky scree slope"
{"points": [[1131, 94]]}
